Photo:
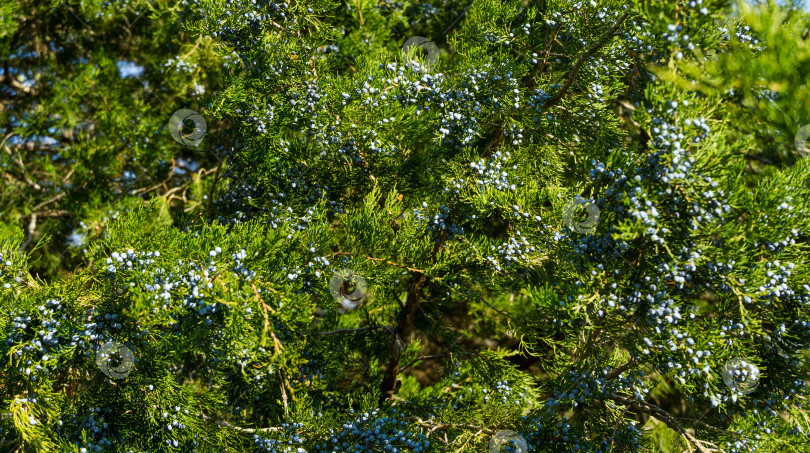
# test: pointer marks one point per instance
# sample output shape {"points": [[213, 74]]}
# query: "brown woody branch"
{"points": [[619, 370], [405, 327], [582, 58], [496, 137], [655, 411]]}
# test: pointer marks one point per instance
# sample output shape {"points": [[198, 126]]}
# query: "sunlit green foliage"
{"points": [[569, 227]]}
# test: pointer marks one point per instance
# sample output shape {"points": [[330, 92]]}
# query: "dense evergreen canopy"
{"points": [[378, 226]]}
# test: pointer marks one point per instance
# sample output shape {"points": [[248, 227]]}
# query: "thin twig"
{"points": [[347, 330], [32, 225], [657, 412], [619, 370], [399, 301], [360, 12], [616, 427], [581, 60], [20, 164], [283, 393], [61, 195], [503, 313], [239, 428], [458, 18], [424, 357], [412, 269], [757, 158], [442, 426]]}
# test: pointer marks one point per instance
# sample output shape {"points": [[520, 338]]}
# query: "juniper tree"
{"points": [[86, 90], [553, 226]]}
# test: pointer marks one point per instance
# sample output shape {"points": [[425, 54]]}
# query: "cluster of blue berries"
{"points": [[311, 370], [513, 134], [248, 25], [694, 4], [369, 432], [76, 237], [37, 336], [679, 354], [558, 434], [582, 388], [260, 118], [742, 34], [517, 249], [505, 391], [789, 239], [486, 174], [436, 224], [180, 65], [173, 426], [181, 291], [373, 430], [480, 91], [288, 440], [777, 287], [5, 275], [90, 432]]}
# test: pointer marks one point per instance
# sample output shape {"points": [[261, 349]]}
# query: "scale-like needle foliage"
{"points": [[411, 227]]}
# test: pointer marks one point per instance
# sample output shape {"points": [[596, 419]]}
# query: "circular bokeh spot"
{"points": [[585, 226], [348, 288], [508, 442], [420, 42], [187, 127], [115, 360], [801, 141], [741, 376]]}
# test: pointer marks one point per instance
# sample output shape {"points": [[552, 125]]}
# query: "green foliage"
{"points": [[568, 227], [80, 140]]}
